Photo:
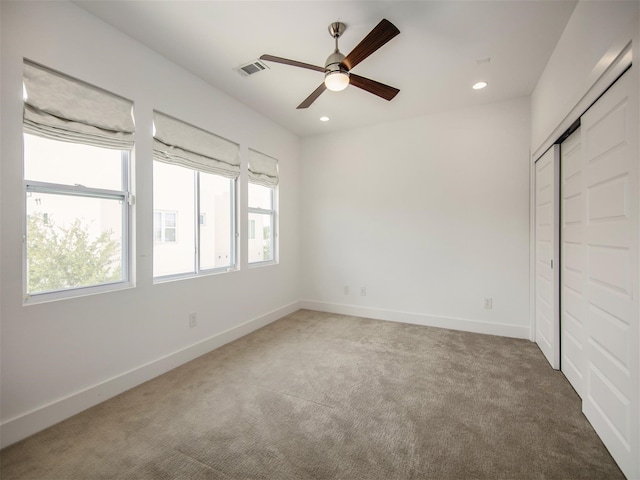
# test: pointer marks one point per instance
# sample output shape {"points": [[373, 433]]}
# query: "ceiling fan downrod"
{"points": [[336, 29]]}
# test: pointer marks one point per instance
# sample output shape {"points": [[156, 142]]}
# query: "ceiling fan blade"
{"points": [[312, 98], [293, 63], [371, 86], [381, 34]]}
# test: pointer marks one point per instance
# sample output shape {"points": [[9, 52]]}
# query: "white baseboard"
{"points": [[15, 429], [467, 325]]}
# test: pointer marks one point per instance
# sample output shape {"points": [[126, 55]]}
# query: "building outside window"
{"points": [[76, 184], [165, 227]]}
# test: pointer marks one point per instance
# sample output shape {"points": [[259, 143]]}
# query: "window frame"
{"points": [[126, 198], [272, 224], [233, 233], [252, 229]]}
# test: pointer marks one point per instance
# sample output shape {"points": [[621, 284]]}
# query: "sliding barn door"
{"points": [[546, 246], [610, 185], [572, 262]]}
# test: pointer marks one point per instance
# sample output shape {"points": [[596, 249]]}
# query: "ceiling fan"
{"points": [[337, 68]]}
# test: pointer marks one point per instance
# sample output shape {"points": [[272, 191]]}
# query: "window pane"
{"points": [[170, 235], [72, 242], [157, 226], [261, 245], [260, 197], [173, 190], [71, 163], [216, 235]]}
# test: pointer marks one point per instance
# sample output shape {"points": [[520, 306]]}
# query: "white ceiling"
{"points": [[433, 61]]}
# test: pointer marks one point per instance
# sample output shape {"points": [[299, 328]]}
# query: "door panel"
{"points": [[546, 246], [572, 258], [610, 170]]}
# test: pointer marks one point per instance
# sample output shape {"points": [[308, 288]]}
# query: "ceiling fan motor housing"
{"points": [[333, 63]]}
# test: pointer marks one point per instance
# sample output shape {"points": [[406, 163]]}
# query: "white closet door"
{"points": [[610, 185], [573, 260], [546, 247]]}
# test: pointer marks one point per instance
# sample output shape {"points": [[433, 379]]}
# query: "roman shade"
{"points": [[63, 108], [179, 143], [263, 170]]}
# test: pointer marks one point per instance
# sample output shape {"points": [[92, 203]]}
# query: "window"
{"points": [[194, 178], [164, 227], [261, 223], [263, 179], [76, 184]]}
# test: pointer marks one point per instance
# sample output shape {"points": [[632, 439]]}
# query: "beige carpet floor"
{"points": [[324, 396]]}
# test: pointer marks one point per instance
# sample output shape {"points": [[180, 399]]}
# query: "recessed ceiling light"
{"points": [[480, 85], [324, 119]]}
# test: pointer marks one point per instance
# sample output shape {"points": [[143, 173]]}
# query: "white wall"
{"points": [[60, 357], [429, 214], [593, 37]]}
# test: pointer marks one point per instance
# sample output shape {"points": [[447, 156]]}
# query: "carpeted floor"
{"points": [[324, 396]]}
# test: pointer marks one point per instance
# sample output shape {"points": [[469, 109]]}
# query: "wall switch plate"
{"points": [[488, 303], [363, 291], [193, 320], [346, 289]]}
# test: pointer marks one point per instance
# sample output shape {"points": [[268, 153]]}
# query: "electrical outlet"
{"points": [[346, 289], [193, 320], [363, 291], [488, 303]]}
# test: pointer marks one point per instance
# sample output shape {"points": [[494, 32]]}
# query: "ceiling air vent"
{"points": [[250, 68]]}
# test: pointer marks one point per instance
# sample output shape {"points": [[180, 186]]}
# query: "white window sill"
{"points": [[187, 276], [263, 264], [38, 298]]}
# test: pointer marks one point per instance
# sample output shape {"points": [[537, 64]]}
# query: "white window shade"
{"points": [[263, 170], [179, 143], [62, 108]]}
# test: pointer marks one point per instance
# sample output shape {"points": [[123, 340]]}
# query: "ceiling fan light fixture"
{"points": [[336, 77], [336, 81]]}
